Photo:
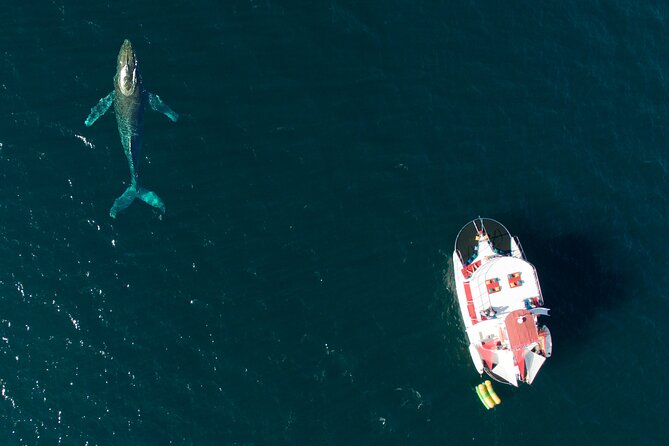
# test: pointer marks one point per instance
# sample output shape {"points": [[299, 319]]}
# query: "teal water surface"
{"points": [[296, 292]]}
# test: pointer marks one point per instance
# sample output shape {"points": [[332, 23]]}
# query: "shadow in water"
{"points": [[576, 281]]}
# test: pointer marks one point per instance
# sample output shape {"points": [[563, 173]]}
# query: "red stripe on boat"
{"points": [[487, 354], [470, 303], [468, 270], [522, 331]]}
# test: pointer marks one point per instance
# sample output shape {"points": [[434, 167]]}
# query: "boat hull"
{"points": [[500, 302]]}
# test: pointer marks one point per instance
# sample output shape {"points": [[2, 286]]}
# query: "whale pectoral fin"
{"points": [[158, 105], [99, 109]]}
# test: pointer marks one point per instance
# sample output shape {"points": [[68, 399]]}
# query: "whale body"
{"points": [[129, 98]]}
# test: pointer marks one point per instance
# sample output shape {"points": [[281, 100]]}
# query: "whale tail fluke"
{"points": [[133, 191], [151, 198]]}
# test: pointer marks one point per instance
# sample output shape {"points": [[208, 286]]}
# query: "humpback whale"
{"points": [[129, 98]]}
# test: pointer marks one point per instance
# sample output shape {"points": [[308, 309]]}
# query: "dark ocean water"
{"points": [[297, 290]]}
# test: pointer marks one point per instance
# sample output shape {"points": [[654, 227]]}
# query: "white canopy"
{"points": [[533, 363], [540, 311], [505, 368]]}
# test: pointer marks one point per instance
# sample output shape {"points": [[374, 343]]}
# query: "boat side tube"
{"points": [[546, 341], [478, 362]]}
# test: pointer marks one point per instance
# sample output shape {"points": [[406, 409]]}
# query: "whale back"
{"points": [[129, 110]]}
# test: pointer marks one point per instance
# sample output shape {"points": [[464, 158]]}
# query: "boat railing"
{"points": [[522, 252], [520, 247], [462, 261], [541, 295]]}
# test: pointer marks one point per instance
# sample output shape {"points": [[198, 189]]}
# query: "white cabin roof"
{"points": [[509, 293]]}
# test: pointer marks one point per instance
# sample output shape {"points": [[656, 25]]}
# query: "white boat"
{"points": [[500, 301]]}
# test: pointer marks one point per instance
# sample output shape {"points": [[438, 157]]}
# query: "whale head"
{"points": [[127, 75]]}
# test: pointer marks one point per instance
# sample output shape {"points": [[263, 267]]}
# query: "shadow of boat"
{"points": [[577, 283]]}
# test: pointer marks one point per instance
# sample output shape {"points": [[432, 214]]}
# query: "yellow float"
{"points": [[482, 392], [492, 393], [487, 395]]}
